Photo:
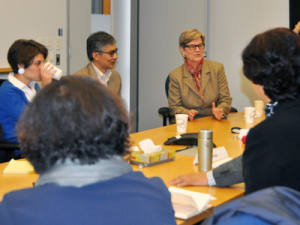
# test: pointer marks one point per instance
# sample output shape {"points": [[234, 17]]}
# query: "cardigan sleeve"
{"points": [[13, 101]]}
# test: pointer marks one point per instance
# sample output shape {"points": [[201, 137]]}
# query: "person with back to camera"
{"points": [[26, 58], [271, 61], [198, 87], [76, 141], [103, 54], [272, 64]]}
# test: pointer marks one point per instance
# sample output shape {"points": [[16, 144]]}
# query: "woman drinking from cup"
{"points": [[26, 58]]}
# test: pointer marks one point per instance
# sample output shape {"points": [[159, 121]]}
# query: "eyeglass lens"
{"points": [[113, 52], [194, 47]]}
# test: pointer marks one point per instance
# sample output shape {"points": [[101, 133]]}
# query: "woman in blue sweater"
{"points": [[26, 58]]}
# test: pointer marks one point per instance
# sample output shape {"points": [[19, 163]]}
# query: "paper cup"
{"points": [[259, 107], [249, 114], [181, 122], [58, 73]]}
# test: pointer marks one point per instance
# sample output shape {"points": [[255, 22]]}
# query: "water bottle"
{"points": [[205, 149]]}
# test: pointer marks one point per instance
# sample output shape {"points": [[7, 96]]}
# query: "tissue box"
{"points": [[150, 159]]}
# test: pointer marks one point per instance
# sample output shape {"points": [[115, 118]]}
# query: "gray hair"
{"points": [[97, 41]]}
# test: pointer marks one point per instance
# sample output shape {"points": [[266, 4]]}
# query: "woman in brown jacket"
{"points": [[198, 87]]}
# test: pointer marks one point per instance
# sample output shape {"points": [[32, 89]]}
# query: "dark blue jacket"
{"points": [[276, 205], [128, 199]]}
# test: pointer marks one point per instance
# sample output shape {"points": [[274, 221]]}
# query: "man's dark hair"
{"points": [[272, 59], [76, 118], [97, 41], [23, 52]]}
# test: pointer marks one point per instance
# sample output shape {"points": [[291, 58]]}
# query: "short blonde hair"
{"points": [[190, 35]]}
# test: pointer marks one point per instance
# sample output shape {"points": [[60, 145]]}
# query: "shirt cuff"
{"points": [[210, 178]]}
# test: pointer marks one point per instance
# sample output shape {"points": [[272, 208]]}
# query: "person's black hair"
{"points": [[23, 52], [97, 41], [272, 59], [75, 118]]}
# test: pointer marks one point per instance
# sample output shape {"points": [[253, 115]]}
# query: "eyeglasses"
{"points": [[112, 53], [194, 47], [37, 63]]}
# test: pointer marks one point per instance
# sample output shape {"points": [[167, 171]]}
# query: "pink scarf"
{"points": [[196, 73]]}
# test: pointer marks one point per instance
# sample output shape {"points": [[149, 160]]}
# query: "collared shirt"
{"points": [[210, 178], [29, 92], [103, 78]]}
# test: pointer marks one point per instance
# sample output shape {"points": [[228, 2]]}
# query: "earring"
{"points": [[183, 56], [21, 71]]}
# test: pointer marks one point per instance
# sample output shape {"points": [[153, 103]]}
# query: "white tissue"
{"points": [[134, 148], [148, 146], [243, 132]]}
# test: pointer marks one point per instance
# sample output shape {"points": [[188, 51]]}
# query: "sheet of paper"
{"points": [[182, 212], [189, 152], [220, 162], [200, 199], [18, 167], [183, 200], [218, 154], [134, 149]]}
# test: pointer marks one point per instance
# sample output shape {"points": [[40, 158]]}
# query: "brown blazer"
{"points": [[183, 94], [114, 82]]}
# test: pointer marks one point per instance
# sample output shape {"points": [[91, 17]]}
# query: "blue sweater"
{"points": [[128, 199], [12, 103]]}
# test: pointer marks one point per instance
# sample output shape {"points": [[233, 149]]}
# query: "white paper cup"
{"points": [[58, 73], [259, 107], [181, 122], [249, 114]]}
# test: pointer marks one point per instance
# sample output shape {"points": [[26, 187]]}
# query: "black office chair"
{"points": [[165, 112], [7, 149], [233, 110]]}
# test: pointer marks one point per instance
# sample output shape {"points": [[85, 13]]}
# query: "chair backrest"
{"points": [[167, 86], [7, 149], [1, 133], [1, 81]]}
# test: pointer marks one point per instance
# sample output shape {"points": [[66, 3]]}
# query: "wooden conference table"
{"points": [[222, 136]]}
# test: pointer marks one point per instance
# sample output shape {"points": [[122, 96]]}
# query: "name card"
{"points": [[218, 154]]}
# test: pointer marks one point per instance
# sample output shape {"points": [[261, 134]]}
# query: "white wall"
{"points": [[160, 25], [124, 25], [120, 29], [100, 22], [79, 25], [35, 18], [30, 20], [231, 26]]}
